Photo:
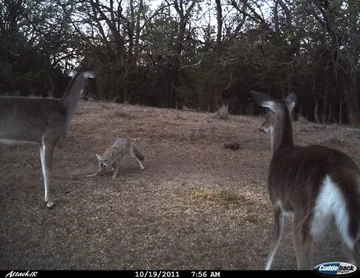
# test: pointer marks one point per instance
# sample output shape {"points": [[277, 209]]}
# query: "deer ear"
{"points": [[90, 74], [264, 100], [291, 100], [70, 73]]}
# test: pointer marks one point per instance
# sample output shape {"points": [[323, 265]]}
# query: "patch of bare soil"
{"points": [[197, 205]]}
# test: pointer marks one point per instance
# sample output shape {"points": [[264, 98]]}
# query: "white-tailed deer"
{"points": [[318, 186], [42, 121]]}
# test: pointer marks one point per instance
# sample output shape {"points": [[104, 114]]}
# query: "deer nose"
{"points": [[262, 130]]}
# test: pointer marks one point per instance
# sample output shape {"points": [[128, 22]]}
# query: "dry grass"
{"points": [[121, 114], [222, 197], [196, 206]]}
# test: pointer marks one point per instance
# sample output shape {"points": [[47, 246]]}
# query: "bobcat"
{"points": [[112, 157]]}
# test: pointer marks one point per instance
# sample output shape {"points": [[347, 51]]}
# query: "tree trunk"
{"points": [[316, 108], [351, 100]]}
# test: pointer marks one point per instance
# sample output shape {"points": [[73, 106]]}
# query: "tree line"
{"points": [[199, 54]]}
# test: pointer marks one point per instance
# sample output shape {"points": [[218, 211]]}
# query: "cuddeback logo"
{"points": [[336, 268]]}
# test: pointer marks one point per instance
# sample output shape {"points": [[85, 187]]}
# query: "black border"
{"points": [[177, 273]]}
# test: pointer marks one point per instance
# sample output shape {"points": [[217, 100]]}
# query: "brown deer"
{"points": [[41, 121], [317, 185]]}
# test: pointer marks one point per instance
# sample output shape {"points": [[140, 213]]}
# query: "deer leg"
{"points": [[279, 222], [303, 244], [46, 156]]}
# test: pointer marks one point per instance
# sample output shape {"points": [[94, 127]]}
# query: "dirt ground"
{"points": [[197, 205]]}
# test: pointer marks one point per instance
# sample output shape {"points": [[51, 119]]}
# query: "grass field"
{"points": [[197, 205]]}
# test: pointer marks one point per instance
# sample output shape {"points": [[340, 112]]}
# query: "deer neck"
{"points": [[282, 133], [72, 95]]}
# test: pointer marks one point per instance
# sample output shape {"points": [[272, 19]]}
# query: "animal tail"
{"points": [[352, 233], [138, 154]]}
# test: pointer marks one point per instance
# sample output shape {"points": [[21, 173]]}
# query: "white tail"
{"points": [[317, 185], [41, 121]]}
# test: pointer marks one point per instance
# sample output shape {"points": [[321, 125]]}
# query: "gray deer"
{"points": [[316, 185], [42, 121]]}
